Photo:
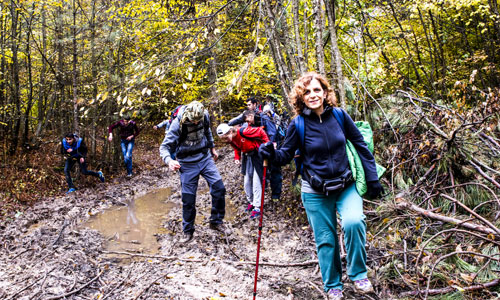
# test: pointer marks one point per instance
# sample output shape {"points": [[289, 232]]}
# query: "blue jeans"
{"points": [[190, 174], [321, 212], [70, 162], [127, 147]]}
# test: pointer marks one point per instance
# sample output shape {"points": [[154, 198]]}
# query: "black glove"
{"points": [[375, 189], [266, 150]]}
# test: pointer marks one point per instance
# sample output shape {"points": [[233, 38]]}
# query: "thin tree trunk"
{"points": [[15, 78], [298, 42], [3, 77], [60, 70], [291, 60], [285, 80], [318, 23], [93, 133], [75, 74], [30, 81], [42, 96], [306, 37], [336, 60]]}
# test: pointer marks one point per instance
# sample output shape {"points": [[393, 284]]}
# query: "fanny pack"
{"points": [[329, 186]]}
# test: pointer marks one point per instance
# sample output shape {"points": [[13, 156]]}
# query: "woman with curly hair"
{"points": [[324, 159]]}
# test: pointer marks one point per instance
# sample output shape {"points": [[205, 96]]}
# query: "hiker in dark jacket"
{"points": [[325, 161], [74, 151], [253, 116], [190, 137], [128, 132], [245, 142]]}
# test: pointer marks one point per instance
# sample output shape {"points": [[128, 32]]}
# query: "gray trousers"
{"points": [[190, 174]]}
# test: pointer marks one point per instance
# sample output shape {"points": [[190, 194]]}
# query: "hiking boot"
{"points": [[255, 214], [363, 286], [186, 237], [249, 208], [219, 227], [129, 175], [71, 190], [335, 294], [101, 176]]}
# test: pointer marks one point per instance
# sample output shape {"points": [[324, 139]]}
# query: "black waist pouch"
{"points": [[329, 186]]}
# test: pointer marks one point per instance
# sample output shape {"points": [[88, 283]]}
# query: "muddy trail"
{"points": [[120, 240]]}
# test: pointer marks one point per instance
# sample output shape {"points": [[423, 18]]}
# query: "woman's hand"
{"points": [[266, 150], [375, 189]]}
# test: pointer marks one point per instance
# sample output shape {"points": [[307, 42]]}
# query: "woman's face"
{"points": [[314, 95]]}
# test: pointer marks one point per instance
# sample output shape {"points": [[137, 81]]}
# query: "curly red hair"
{"points": [[297, 94]]}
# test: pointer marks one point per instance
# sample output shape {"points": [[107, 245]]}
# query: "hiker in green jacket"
{"points": [[327, 184]]}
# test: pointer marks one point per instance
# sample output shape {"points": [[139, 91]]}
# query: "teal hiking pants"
{"points": [[321, 213]]}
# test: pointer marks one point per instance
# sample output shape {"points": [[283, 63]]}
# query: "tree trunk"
{"points": [[15, 78], [42, 96], [298, 42], [76, 128], [93, 132], [30, 81], [318, 23], [336, 60], [279, 62], [60, 77], [3, 77], [306, 37]]}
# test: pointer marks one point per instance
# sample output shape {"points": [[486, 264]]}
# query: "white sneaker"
{"points": [[335, 294], [363, 286]]}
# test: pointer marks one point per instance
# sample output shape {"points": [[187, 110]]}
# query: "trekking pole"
{"points": [[260, 228]]}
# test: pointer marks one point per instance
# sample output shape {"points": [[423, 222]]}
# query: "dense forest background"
{"points": [[424, 73]]}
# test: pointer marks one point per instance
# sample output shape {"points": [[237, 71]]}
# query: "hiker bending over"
{"points": [[128, 132], [327, 186], [190, 137], [247, 141], [75, 151]]}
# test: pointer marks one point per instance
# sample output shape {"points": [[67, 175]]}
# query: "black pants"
{"points": [[70, 162]]}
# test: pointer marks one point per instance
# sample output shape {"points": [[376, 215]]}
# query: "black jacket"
{"points": [[324, 150]]}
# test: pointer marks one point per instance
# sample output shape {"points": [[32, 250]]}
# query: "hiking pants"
{"points": [[321, 213], [190, 173], [127, 147], [275, 180], [252, 184], [70, 162]]}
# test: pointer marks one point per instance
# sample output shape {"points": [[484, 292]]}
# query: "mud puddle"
{"points": [[134, 227]]}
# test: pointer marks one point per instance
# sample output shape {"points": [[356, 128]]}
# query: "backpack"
{"points": [[184, 128], [352, 155], [174, 113], [247, 137]]}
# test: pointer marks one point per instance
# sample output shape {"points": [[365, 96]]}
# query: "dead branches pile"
{"points": [[442, 230]]}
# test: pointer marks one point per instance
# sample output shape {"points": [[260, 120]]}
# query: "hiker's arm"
{"points": [[287, 151], [110, 130], [161, 124], [170, 141], [240, 119], [354, 135]]}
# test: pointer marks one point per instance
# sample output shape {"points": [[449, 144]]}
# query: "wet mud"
{"points": [[121, 240]]}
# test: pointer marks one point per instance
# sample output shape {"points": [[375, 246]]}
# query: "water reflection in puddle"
{"points": [[133, 227]]}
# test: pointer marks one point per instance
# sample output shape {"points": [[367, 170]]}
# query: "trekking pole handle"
{"points": [[265, 162]]}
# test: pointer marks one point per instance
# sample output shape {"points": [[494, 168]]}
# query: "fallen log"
{"points": [[401, 204]]}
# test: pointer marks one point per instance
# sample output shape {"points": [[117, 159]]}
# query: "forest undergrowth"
{"points": [[435, 233]]}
